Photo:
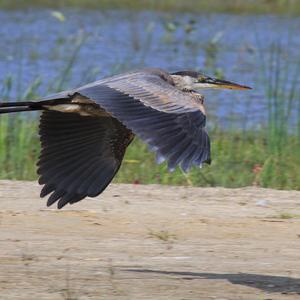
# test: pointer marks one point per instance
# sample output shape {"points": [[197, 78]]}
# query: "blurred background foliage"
{"points": [[194, 6], [51, 45]]}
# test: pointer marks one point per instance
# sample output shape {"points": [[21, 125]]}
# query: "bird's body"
{"points": [[85, 132]]}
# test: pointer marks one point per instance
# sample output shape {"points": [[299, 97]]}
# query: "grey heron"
{"points": [[85, 132]]}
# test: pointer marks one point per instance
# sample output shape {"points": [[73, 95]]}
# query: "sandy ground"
{"points": [[151, 242]]}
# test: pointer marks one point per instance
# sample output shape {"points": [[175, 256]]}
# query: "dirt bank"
{"points": [[151, 242]]}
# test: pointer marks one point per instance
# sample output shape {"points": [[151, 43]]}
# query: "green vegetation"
{"points": [[268, 157], [286, 216], [238, 160], [198, 6], [19, 147], [162, 235]]}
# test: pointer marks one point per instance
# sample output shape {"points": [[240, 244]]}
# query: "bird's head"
{"points": [[192, 80]]}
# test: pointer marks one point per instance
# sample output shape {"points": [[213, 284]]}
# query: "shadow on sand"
{"points": [[267, 283]]}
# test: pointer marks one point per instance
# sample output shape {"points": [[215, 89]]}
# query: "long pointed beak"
{"points": [[223, 84]]}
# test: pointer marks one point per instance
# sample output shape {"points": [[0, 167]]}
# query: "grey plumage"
{"points": [[84, 132]]}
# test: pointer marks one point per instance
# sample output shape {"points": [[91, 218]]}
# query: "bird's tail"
{"points": [[11, 107]]}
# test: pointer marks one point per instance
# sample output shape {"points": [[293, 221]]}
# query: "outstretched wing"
{"points": [[80, 155], [176, 136], [147, 102], [153, 87]]}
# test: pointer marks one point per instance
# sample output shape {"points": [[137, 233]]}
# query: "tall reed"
{"points": [[280, 78]]}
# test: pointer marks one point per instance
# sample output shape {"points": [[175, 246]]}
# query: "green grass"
{"points": [[19, 147], [162, 235], [198, 6], [286, 216], [238, 160]]}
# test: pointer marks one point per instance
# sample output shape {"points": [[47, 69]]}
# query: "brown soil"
{"points": [[151, 242]]}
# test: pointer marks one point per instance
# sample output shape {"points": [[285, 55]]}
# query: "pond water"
{"points": [[35, 43]]}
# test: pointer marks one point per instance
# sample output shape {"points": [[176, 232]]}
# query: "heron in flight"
{"points": [[85, 132]]}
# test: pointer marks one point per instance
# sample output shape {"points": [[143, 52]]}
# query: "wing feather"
{"points": [[171, 121], [153, 87], [162, 130], [155, 92], [80, 155]]}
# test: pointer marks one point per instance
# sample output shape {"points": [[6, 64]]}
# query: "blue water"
{"points": [[36, 44]]}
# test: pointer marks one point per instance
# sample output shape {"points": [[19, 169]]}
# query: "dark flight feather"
{"points": [[96, 147]]}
